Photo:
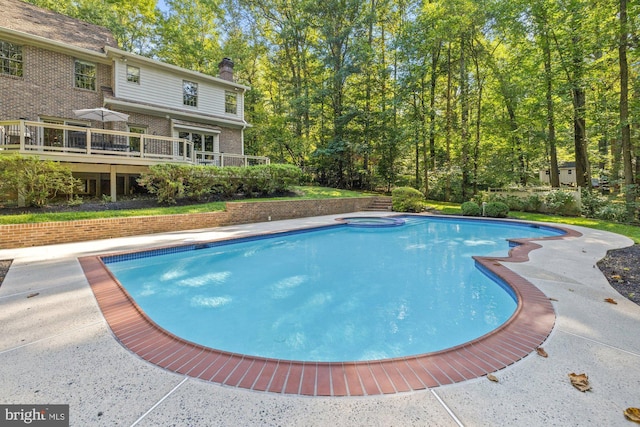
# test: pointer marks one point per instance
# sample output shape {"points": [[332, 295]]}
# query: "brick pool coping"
{"points": [[523, 333]]}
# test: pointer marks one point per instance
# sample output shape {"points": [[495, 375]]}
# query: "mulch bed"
{"points": [[4, 269], [621, 267]]}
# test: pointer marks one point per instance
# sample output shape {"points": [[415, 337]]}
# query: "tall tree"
{"points": [[625, 127], [188, 35], [337, 22]]}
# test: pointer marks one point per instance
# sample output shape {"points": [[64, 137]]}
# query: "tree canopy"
{"points": [[450, 97]]}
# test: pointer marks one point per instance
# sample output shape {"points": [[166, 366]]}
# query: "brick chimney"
{"points": [[226, 69]]}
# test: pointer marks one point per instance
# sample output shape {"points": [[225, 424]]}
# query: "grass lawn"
{"points": [[302, 193], [631, 231]]}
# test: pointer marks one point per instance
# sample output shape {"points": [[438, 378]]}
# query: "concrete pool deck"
{"points": [[56, 347]]}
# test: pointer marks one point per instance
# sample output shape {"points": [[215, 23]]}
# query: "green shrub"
{"points": [[612, 212], [199, 182], [592, 202], [407, 199], [532, 203], [514, 203], [470, 209], [561, 202], [166, 181], [496, 210], [284, 177], [35, 181], [255, 180], [227, 180]]}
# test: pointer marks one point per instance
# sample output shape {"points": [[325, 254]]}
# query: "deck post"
{"points": [[112, 181]]}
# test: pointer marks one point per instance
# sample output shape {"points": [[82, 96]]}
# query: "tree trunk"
{"points": [[430, 155], [554, 177], [464, 119], [583, 176], [447, 193], [624, 112]]}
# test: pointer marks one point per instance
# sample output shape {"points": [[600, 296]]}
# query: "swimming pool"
{"points": [[518, 337], [332, 294]]}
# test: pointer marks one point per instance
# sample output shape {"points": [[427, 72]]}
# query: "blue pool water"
{"points": [[342, 293]]}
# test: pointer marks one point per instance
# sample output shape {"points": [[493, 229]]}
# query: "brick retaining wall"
{"points": [[47, 233]]}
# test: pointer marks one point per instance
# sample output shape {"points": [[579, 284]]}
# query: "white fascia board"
{"points": [[160, 111], [115, 53], [53, 45]]}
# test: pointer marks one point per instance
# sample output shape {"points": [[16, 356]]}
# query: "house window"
{"points": [[230, 102], [85, 75], [10, 59], [569, 171], [133, 74], [190, 93]]}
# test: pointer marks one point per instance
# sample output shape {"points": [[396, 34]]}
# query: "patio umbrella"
{"points": [[101, 114]]}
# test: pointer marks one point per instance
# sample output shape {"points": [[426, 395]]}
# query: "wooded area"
{"points": [[450, 97]]}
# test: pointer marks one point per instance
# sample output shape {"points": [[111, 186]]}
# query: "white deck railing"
{"points": [[60, 141]]}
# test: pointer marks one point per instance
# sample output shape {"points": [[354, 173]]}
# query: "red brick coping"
{"points": [[527, 328]]}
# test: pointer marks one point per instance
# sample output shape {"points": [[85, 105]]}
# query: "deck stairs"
{"points": [[380, 204]]}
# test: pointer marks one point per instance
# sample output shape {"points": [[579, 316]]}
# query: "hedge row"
{"points": [[558, 202], [170, 182], [490, 209]]}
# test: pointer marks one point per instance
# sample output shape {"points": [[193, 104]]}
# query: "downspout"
{"points": [[244, 122]]}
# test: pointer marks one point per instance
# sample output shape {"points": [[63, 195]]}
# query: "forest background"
{"points": [[450, 97]]}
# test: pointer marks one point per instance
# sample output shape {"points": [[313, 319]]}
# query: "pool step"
{"points": [[380, 204]]}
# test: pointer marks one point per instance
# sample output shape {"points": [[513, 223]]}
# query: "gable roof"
{"points": [[26, 18]]}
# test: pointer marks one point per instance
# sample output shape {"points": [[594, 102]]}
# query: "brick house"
{"points": [[51, 65]]}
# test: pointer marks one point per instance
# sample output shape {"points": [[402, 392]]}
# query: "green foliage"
{"points": [[612, 212], [560, 202], [407, 199], [198, 182], [283, 177], [256, 180], [327, 94], [592, 202], [173, 182], [471, 209], [496, 210], [445, 185], [532, 203], [33, 180], [166, 181]]}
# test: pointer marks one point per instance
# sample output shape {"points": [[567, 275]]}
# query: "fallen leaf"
{"points": [[541, 352], [616, 277], [492, 377], [580, 381], [33, 295], [610, 300], [632, 414]]}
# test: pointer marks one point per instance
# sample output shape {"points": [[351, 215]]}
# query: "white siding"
{"points": [[164, 89]]}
